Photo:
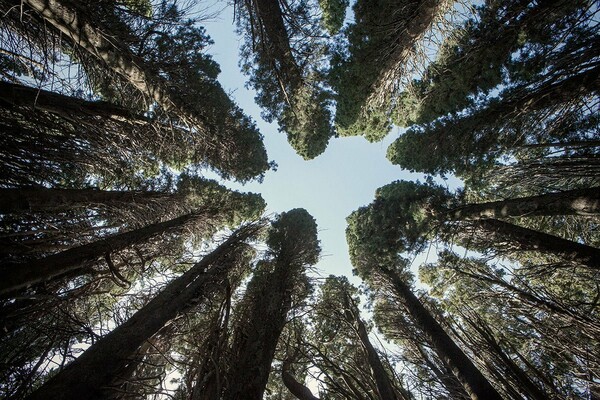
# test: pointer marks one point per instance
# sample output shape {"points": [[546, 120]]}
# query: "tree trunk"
{"points": [[526, 384], [385, 390], [278, 43], [476, 385], [119, 59], [296, 388], [91, 374], [17, 276], [572, 202], [43, 199], [529, 239], [25, 96], [255, 342]]}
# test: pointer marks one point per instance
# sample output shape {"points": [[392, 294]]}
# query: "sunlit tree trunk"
{"points": [[92, 373], [67, 20], [571, 202]]}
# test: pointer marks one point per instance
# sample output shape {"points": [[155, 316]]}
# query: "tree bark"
{"points": [[25, 96], [476, 385], [296, 388], [584, 202], [255, 342], [119, 59], [529, 239], [270, 16], [43, 199], [91, 374], [385, 390], [16, 276]]}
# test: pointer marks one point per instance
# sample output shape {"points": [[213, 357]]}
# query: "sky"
{"points": [[330, 187]]}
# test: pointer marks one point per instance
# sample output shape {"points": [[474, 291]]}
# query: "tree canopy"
{"points": [[127, 273]]}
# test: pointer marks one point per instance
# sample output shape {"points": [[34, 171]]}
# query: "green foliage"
{"points": [[232, 206], [283, 56], [514, 76], [399, 220], [333, 14], [307, 123], [293, 240], [353, 72]]}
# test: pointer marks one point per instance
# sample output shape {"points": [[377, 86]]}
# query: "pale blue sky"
{"points": [[331, 186]]}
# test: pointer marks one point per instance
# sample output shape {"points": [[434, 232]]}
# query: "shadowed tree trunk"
{"points": [[276, 41], [92, 373], [529, 239], [17, 276], [269, 297], [44, 199], [295, 387], [24, 96], [476, 385], [385, 390]]}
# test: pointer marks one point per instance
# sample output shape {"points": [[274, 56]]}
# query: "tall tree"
{"points": [[411, 212], [283, 54], [278, 284], [183, 84], [338, 324], [92, 373], [538, 87], [381, 43]]}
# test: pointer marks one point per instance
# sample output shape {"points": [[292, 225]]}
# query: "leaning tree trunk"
{"points": [[296, 388], [385, 390], [571, 202], [529, 239], [476, 385], [91, 374], [115, 56], [65, 106], [16, 276], [37, 199]]}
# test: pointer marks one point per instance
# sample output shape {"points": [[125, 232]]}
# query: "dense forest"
{"points": [[126, 273]]}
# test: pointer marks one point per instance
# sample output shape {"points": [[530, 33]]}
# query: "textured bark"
{"points": [[572, 202], [17, 276], [44, 199], [476, 385], [529, 239], [24, 96], [277, 41], [385, 390], [255, 343], [116, 57], [91, 374], [296, 388]]}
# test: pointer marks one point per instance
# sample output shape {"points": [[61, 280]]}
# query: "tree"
{"points": [[411, 212], [278, 284], [190, 95], [495, 99], [338, 325], [382, 40], [91, 373], [283, 54]]}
